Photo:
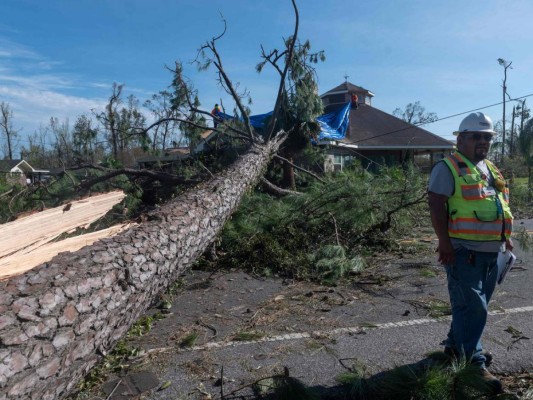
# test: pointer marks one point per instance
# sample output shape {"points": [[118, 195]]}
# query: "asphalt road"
{"points": [[386, 320]]}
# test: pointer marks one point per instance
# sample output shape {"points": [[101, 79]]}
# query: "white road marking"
{"points": [[350, 330]]}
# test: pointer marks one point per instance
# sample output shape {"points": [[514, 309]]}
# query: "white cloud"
{"points": [[32, 108], [9, 49], [35, 92]]}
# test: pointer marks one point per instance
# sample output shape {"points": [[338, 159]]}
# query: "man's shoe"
{"points": [[453, 353], [491, 381]]}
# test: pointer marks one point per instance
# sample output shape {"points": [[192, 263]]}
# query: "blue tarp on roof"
{"points": [[333, 125], [257, 121]]}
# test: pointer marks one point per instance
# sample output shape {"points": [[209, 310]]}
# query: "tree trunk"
{"points": [[289, 180], [61, 317]]}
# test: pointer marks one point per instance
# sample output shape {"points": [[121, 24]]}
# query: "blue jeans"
{"points": [[471, 282]]}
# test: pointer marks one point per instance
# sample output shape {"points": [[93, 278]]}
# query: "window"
{"points": [[341, 161], [337, 162]]}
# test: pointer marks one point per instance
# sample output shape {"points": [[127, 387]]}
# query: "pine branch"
{"points": [[276, 190], [383, 226]]}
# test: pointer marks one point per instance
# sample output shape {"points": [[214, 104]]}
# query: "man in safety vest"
{"points": [[469, 206]]}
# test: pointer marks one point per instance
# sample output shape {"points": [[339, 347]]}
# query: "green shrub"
{"points": [[322, 234]]}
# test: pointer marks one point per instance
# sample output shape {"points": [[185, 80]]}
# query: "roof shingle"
{"points": [[375, 129]]}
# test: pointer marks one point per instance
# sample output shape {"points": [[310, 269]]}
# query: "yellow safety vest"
{"points": [[474, 214]]}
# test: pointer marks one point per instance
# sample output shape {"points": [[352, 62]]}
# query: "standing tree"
{"points": [[63, 143], [506, 65], [525, 145], [129, 121], [123, 126], [83, 138], [36, 152], [166, 132], [415, 113], [185, 104], [524, 113], [6, 124], [109, 119]]}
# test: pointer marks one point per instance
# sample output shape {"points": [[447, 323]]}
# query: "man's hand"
{"points": [[509, 244], [446, 252]]}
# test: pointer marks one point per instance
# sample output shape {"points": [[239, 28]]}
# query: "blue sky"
{"points": [[59, 58]]}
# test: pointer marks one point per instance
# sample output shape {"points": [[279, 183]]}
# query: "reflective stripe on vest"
{"points": [[472, 213]]}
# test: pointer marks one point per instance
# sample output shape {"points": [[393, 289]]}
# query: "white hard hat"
{"points": [[475, 122]]}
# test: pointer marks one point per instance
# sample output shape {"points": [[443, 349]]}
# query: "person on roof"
{"points": [[469, 207], [215, 112], [355, 101]]}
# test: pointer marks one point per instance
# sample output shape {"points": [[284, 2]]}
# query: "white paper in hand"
{"points": [[505, 263]]}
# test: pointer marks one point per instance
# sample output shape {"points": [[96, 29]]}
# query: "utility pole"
{"points": [[505, 65]]}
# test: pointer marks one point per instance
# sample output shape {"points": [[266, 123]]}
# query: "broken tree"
{"points": [[61, 318]]}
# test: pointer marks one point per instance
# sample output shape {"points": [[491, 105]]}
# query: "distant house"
{"points": [[20, 171], [375, 137]]}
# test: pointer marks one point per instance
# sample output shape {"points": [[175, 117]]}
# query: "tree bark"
{"points": [[289, 180]]}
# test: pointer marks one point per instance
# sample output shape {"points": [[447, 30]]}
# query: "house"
{"points": [[20, 171], [375, 137]]}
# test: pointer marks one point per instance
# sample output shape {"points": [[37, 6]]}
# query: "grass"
{"points": [[428, 273], [143, 325], [439, 308], [433, 308], [439, 380], [189, 340]]}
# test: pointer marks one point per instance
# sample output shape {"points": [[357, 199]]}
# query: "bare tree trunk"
{"points": [[5, 124], [289, 180]]}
